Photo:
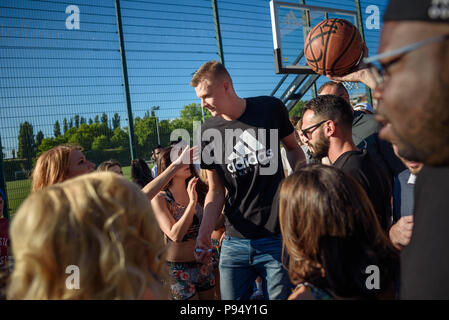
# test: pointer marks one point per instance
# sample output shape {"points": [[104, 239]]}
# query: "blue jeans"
{"points": [[242, 260]]}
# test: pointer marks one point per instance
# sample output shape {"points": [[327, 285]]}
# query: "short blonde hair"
{"points": [[101, 223], [106, 165], [210, 70], [52, 167]]}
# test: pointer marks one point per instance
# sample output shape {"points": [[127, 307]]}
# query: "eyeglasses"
{"points": [[379, 70], [306, 131]]}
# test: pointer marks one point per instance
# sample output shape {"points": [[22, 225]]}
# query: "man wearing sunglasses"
{"points": [[410, 78]]}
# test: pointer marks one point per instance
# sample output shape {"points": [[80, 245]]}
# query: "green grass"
{"points": [[18, 190]]}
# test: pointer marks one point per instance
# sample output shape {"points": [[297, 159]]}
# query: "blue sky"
{"points": [[49, 72]]}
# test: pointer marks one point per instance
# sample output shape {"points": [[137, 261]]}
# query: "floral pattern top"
{"points": [[177, 210]]}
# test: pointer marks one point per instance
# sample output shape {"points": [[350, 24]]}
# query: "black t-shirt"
{"points": [[245, 152], [425, 261], [365, 136], [359, 165]]}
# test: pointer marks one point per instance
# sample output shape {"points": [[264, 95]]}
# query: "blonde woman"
{"points": [[64, 162], [99, 224], [59, 164]]}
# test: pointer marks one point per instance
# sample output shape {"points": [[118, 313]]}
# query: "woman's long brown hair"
{"points": [[164, 161], [332, 233]]}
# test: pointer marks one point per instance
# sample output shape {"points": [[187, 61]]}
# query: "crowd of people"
{"points": [[322, 206]]}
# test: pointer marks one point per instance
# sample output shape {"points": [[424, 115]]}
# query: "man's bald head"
{"points": [[334, 88]]}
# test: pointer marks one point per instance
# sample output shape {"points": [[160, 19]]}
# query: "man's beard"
{"points": [[320, 149]]}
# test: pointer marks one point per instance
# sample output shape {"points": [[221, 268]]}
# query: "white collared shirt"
{"points": [[411, 179]]}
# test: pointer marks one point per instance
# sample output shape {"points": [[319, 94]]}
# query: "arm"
{"points": [[295, 155], [157, 184], [175, 230], [213, 206], [362, 75]]}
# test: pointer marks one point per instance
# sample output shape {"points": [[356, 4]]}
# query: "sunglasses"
{"points": [[379, 70]]}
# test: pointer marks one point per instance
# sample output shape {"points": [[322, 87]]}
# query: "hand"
{"points": [[191, 190], [222, 238], [203, 250], [188, 156], [401, 232], [359, 74]]}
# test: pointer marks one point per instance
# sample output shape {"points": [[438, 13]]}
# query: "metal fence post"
{"points": [[3, 184], [218, 31], [306, 22], [132, 142], [358, 8]]}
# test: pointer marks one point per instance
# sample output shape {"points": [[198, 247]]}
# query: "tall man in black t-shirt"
{"points": [[327, 127], [240, 151], [413, 92]]}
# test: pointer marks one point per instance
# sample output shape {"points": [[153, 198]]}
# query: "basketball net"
{"points": [[351, 85]]}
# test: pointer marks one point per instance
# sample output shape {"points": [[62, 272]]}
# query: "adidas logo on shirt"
{"points": [[248, 151]]}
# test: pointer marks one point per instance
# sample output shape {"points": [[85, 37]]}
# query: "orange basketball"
{"points": [[333, 47]]}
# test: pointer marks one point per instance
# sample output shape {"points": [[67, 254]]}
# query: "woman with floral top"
{"points": [[178, 210]]}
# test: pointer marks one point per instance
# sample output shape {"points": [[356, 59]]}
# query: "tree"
{"points": [[104, 119], [192, 112], [26, 143], [82, 138], [77, 121], [48, 143], [115, 121], [40, 137], [65, 125], [146, 135], [120, 139], [100, 143], [188, 115], [82, 120], [13, 153], [97, 129], [97, 119], [71, 123], [297, 109], [91, 121], [70, 132], [56, 129]]}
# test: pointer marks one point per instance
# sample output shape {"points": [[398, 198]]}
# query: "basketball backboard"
{"points": [[290, 25]]}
